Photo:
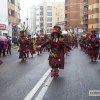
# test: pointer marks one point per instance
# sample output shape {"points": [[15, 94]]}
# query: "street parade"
{"points": [[50, 50]]}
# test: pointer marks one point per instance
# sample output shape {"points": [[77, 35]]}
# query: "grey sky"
{"points": [[26, 3]]}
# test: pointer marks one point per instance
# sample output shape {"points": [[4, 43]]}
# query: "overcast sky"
{"points": [[26, 3]]}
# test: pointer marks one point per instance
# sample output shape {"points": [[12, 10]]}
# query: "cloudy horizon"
{"points": [[26, 3]]}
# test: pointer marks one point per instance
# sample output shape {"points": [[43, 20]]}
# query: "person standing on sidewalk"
{"points": [[4, 47], [9, 46]]}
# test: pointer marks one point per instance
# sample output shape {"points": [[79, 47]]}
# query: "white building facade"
{"points": [[46, 16], [32, 20], [9, 16]]}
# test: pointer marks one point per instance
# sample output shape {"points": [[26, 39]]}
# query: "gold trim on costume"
{"points": [[53, 54]]}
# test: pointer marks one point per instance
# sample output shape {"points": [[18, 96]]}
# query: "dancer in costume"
{"points": [[22, 42], [94, 44], [56, 55]]}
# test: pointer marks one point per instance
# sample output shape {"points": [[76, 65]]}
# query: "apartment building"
{"points": [[9, 16], [74, 15], [93, 15], [85, 17], [49, 14], [58, 14], [39, 18], [32, 19], [99, 18]]}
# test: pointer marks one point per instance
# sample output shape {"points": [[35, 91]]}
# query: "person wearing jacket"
{"points": [[4, 47], [9, 46]]}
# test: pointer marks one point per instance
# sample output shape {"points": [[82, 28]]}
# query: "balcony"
{"points": [[11, 6], [12, 1], [12, 19], [85, 10], [85, 13], [85, 2], [85, 21]]}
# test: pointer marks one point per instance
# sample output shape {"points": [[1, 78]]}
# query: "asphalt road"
{"points": [[18, 78], [80, 75]]}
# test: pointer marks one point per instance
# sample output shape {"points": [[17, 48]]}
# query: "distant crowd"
{"points": [[5, 46]]}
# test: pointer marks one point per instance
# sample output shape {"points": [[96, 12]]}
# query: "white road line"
{"points": [[44, 89], [37, 86]]}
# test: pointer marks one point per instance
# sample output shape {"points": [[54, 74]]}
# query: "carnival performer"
{"points": [[99, 49], [34, 43], [22, 42], [30, 46], [67, 41], [56, 55], [38, 42], [94, 43]]}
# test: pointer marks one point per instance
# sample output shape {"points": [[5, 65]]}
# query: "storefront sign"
{"points": [[2, 27]]}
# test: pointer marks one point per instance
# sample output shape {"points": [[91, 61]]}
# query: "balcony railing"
{"points": [[11, 6], [85, 21], [85, 2]]}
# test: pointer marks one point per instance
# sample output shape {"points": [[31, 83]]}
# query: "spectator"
{"points": [[9, 46], [4, 47]]}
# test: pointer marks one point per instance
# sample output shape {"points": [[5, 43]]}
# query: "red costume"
{"points": [[22, 46], [94, 43], [30, 46], [38, 42], [56, 56]]}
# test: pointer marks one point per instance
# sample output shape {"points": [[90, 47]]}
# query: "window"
{"points": [[57, 14], [57, 8], [41, 13], [58, 19], [41, 7], [66, 8], [49, 7], [92, 26], [65, 22], [41, 19], [49, 13], [66, 0], [49, 24], [65, 15], [37, 19], [49, 19], [49, 30], [37, 14]]}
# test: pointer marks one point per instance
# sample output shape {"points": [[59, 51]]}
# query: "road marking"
{"points": [[44, 89], [37, 86]]}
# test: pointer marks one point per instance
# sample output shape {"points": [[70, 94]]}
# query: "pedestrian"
{"points": [[9, 46], [4, 47]]}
